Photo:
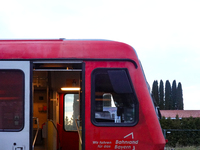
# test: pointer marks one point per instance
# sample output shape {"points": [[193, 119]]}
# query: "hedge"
{"points": [[181, 132]]}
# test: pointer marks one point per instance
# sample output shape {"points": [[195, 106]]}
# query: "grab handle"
{"points": [[36, 134], [78, 131]]}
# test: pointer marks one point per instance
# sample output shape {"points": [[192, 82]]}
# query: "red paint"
{"points": [[64, 49], [69, 140], [146, 135]]}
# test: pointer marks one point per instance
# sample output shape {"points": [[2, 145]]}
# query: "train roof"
{"points": [[57, 49]]}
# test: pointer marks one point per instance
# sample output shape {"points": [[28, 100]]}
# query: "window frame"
{"points": [[111, 124], [23, 102], [75, 92]]}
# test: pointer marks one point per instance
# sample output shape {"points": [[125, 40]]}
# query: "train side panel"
{"points": [[145, 134]]}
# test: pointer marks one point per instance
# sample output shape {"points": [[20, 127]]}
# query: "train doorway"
{"points": [[57, 101]]}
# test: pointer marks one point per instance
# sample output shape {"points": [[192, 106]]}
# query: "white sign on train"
{"points": [[118, 144]]}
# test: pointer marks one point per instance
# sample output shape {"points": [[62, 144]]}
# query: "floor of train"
{"points": [[39, 148]]}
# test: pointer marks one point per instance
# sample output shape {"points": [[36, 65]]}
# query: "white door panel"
{"points": [[17, 139]]}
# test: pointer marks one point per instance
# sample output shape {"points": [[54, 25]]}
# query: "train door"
{"points": [[15, 105], [57, 105], [111, 106]]}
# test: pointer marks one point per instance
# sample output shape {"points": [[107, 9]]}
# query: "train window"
{"points": [[114, 102], [71, 111], [11, 100]]}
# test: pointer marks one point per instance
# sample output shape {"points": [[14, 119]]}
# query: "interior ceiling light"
{"points": [[70, 88]]}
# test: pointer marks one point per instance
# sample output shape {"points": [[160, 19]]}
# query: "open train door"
{"points": [[15, 105], [111, 105]]}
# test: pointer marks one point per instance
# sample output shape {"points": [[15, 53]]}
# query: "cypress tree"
{"points": [[155, 92], [168, 100], [161, 95], [179, 97], [174, 91]]}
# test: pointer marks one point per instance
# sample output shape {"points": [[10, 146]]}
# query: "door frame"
{"points": [[83, 105]]}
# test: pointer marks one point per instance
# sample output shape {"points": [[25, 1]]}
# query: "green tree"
{"points": [[168, 100], [161, 95], [179, 94], [69, 123], [174, 91], [155, 92]]}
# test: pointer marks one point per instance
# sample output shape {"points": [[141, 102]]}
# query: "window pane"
{"points": [[71, 112], [11, 100], [114, 105]]}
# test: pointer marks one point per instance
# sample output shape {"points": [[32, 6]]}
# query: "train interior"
{"points": [[56, 106]]}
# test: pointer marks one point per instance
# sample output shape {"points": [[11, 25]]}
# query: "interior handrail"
{"points": [[78, 131], [36, 134]]}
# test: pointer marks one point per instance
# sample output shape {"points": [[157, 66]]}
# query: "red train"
{"points": [[75, 95]]}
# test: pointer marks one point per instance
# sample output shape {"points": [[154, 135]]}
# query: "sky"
{"points": [[165, 34]]}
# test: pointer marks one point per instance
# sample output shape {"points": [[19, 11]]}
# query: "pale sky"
{"points": [[165, 34]]}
